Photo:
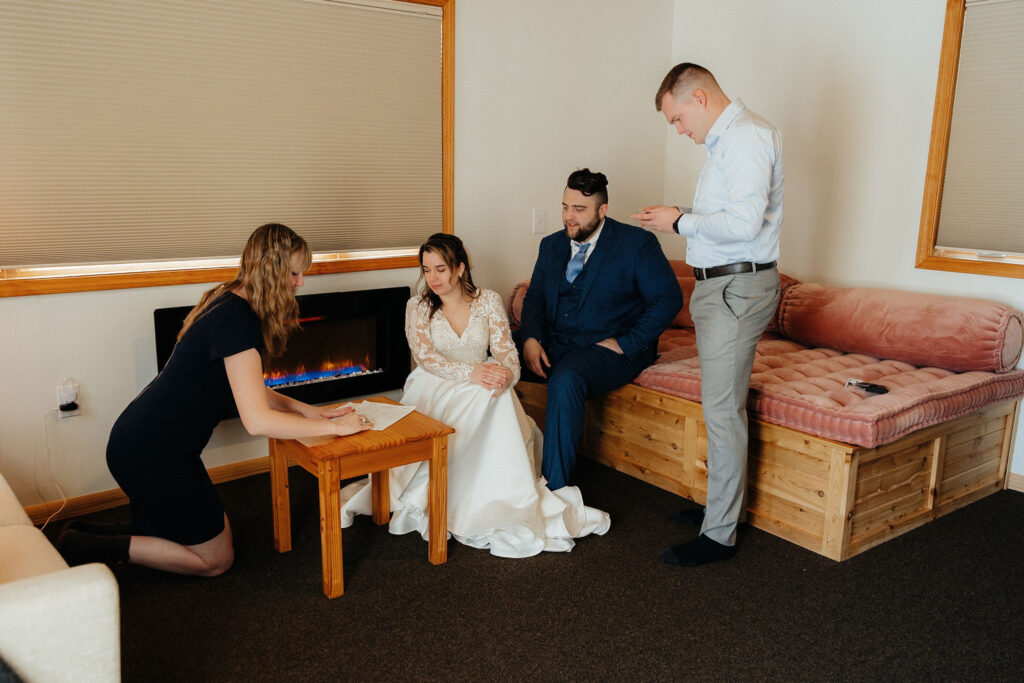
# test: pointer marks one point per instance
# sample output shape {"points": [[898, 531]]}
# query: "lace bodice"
{"points": [[438, 350]]}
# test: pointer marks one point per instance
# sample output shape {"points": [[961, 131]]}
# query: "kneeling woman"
{"points": [[178, 523]]}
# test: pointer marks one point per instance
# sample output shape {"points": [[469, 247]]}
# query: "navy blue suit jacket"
{"points": [[631, 293]]}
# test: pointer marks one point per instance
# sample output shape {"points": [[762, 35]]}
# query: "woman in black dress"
{"points": [[178, 523]]}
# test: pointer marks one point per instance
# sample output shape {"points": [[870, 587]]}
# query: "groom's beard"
{"points": [[583, 232]]}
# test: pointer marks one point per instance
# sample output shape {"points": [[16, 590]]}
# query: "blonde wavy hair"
{"points": [[265, 275]]}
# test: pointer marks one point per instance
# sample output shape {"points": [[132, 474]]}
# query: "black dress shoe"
{"points": [[701, 550], [79, 547], [689, 515]]}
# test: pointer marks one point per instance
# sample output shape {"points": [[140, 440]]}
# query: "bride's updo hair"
{"points": [[453, 253]]}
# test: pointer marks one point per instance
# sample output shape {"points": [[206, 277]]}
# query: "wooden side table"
{"points": [[414, 438]]}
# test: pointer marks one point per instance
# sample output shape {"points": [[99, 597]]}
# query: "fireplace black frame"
{"points": [[386, 305]]}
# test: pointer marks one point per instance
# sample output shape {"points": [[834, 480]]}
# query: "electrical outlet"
{"points": [[540, 221], [67, 398]]}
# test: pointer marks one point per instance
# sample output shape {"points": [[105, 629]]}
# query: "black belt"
{"points": [[732, 269]]}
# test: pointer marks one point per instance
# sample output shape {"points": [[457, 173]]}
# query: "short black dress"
{"points": [[155, 446]]}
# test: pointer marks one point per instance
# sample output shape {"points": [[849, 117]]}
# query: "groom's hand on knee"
{"points": [[535, 357]]}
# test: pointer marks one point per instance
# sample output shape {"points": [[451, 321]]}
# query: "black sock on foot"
{"points": [[103, 528], [701, 550], [78, 547]]}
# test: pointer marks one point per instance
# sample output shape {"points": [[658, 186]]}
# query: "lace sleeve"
{"points": [[502, 347], [417, 332]]}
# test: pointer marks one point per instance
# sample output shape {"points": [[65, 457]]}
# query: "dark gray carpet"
{"points": [[943, 602]]}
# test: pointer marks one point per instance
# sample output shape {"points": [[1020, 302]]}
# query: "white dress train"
{"points": [[496, 498]]}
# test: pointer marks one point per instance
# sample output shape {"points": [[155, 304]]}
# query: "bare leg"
{"points": [[212, 558]]}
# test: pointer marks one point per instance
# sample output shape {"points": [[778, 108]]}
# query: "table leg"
{"points": [[330, 528], [281, 498], [437, 501], [381, 495]]}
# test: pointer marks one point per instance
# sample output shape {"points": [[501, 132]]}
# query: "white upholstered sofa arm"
{"points": [[62, 626]]}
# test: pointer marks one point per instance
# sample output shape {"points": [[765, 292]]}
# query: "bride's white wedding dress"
{"points": [[496, 498]]}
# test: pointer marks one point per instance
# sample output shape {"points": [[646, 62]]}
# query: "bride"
{"points": [[496, 499]]}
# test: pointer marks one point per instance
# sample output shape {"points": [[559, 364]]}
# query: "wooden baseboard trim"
{"points": [[1015, 482], [104, 500]]}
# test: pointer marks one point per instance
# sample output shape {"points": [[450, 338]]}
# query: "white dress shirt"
{"points": [[737, 206]]}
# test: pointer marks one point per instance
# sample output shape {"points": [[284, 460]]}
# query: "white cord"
{"points": [[46, 448]]}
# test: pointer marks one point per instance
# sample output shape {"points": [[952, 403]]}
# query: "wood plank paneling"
{"points": [[778, 456], [964, 483], [787, 483], [880, 466], [800, 519], [911, 489], [904, 503], [872, 488], [643, 456], [969, 455]]}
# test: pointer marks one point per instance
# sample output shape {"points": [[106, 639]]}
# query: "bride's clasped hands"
{"points": [[492, 376]]}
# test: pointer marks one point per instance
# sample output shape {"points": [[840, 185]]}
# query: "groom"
{"points": [[601, 294]]}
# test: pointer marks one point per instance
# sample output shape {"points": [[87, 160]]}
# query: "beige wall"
{"points": [[544, 87]]}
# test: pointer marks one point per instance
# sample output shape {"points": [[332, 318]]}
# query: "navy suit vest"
{"points": [[567, 313]]}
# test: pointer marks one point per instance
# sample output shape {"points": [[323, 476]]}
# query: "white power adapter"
{"points": [[67, 398]]}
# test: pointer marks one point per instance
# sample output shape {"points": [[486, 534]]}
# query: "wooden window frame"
{"points": [[930, 256], [28, 281]]}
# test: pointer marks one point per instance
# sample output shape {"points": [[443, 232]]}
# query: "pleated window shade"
{"points": [[136, 130], [983, 194]]}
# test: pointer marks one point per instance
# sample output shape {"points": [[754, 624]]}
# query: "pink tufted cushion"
{"points": [[515, 303], [803, 388], [956, 333], [683, 317], [801, 385]]}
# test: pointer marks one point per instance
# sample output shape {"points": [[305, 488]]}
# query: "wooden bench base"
{"points": [[833, 498]]}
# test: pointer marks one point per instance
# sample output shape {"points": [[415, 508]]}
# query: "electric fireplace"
{"points": [[348, 344]]}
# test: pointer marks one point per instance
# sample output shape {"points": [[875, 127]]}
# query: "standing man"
{"points": [[601, 294], [732, 242]]}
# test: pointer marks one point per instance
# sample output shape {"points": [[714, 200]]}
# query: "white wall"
{"points": [[544, 87], [851, 86]]}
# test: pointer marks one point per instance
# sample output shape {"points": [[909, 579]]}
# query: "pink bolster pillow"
{"points": [[927, 330], [515, 303]]}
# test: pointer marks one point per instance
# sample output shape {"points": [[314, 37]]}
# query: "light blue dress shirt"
{"points": [[737, 206]]}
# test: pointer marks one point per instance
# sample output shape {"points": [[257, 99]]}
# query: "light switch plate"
{"points": [[539, 224]]}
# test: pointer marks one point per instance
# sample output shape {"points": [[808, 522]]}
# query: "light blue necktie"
{"points": [[576, 263]]}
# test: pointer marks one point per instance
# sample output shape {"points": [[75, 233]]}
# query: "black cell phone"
{"points": [[870, 387]]}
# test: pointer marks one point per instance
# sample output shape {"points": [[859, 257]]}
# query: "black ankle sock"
{"points": [[103, 528], [78, 547], [701, 550]]}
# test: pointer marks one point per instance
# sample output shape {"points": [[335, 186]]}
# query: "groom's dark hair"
{"points": [[589, 183]]}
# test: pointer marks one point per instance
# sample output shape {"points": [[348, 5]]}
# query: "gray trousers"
{"points": [[730, 313]]}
